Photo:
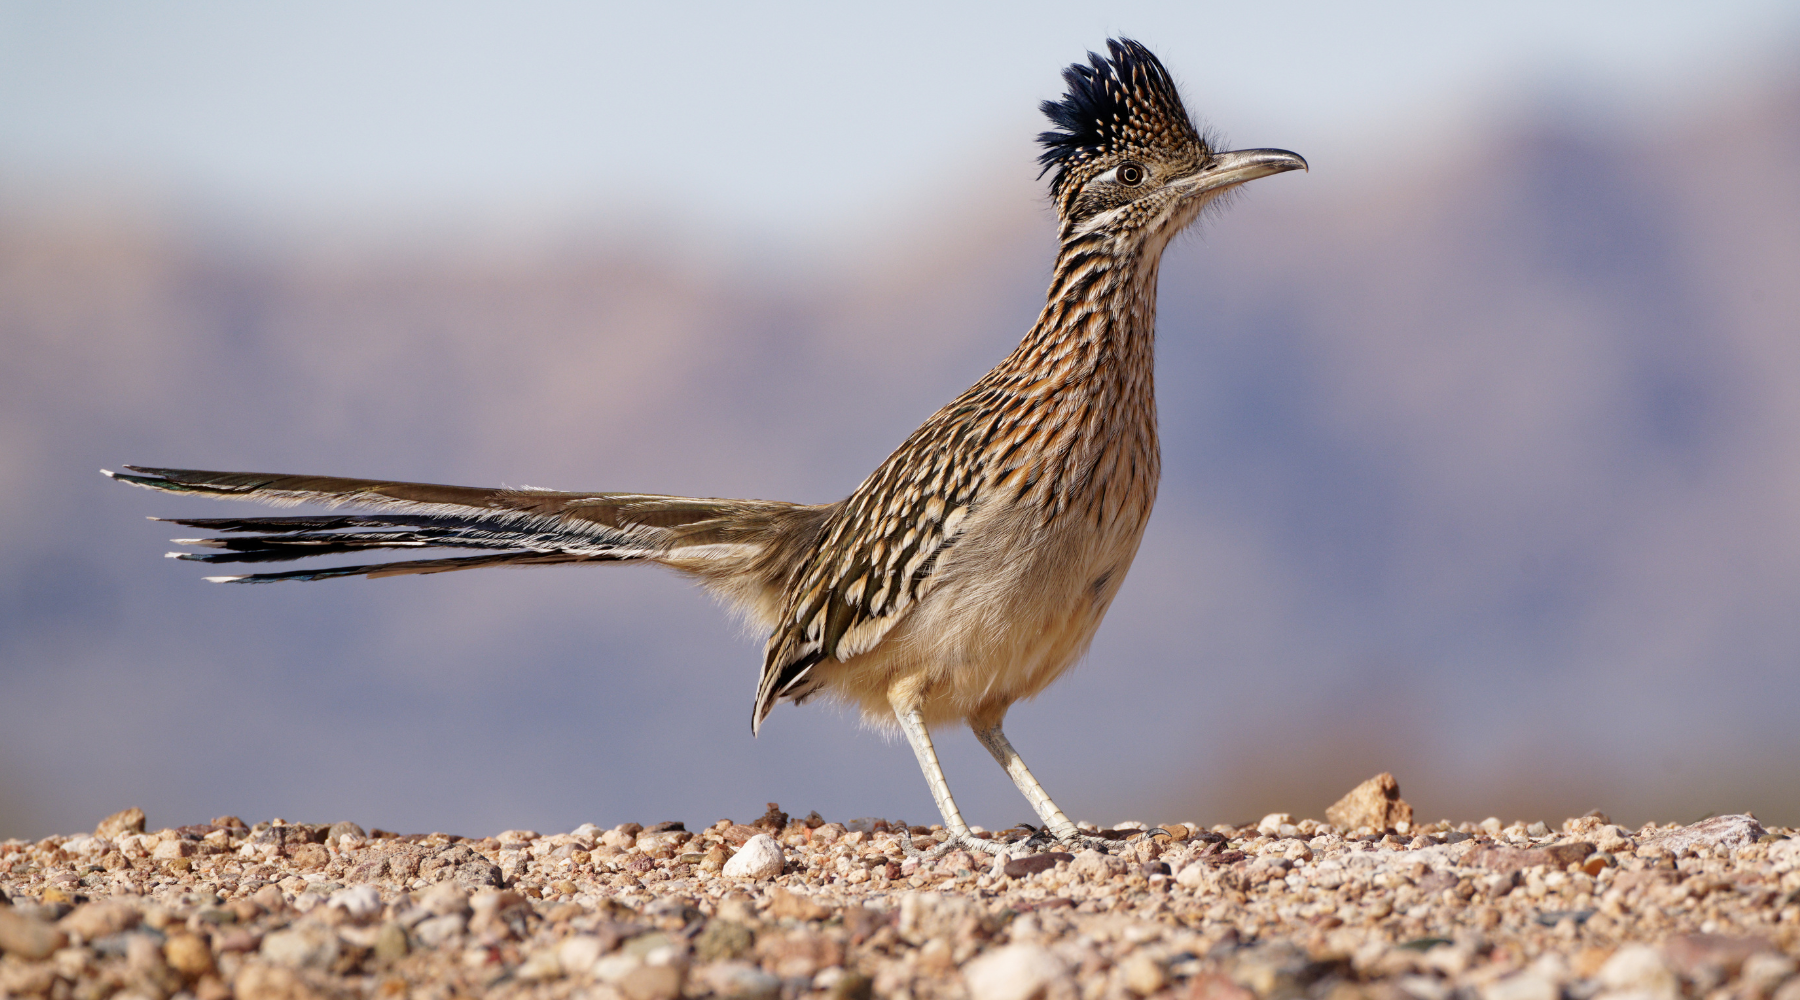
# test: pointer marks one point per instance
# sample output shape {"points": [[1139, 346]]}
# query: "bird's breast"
{"points": [[1045, 549]]}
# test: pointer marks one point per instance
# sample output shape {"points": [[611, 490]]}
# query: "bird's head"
{"points": [[1127, 158]]}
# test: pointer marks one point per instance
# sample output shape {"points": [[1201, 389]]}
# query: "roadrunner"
{"points": [[967, 572]]}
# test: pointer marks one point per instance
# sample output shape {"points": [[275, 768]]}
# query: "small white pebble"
{"points": [[759, 858]]}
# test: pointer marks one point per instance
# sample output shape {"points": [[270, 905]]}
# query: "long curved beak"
{"points": [[1239, 166]]}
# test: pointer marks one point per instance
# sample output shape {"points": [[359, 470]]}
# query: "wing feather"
{"points": [[878, 555]]}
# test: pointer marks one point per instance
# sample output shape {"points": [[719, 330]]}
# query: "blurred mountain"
{"points": [[1482, 466]]}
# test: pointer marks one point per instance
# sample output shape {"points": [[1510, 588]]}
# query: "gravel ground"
{"points": [[805, 908]]}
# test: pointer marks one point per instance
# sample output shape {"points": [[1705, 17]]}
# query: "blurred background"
{"points": [[1481, 440]]}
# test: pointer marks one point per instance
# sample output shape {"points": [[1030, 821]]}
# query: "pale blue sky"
{"points": [[787, 118]]}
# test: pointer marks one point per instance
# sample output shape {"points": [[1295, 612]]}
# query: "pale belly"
{"points": [[1008, 617]]}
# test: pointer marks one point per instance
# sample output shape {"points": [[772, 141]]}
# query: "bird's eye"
{"points": [[1131, 174]]}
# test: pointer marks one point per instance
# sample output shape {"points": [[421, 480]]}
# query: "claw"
{"points": [[1040, 837]]}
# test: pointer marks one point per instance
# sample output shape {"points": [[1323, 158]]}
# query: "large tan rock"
{"points": [[121, 823], [1375, 803]]}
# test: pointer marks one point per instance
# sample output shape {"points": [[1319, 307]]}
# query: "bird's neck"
{"points": [[1080, 385], [1070, 416], [1097, 332]]}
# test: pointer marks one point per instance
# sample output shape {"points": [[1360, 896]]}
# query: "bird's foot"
{"points": [[1044, 840], [951, 842], [1074, 840], [1083, 842]]}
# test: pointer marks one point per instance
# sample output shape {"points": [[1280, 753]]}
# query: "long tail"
{"points": [[736, 546]]}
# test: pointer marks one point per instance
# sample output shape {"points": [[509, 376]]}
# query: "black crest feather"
{"points": [[1113, 104]]}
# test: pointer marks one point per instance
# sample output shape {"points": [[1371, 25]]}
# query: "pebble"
{"points": [[438, 931], [784, 905], [359, 901], [177, 847], [1283, 909], [737, 981], [652, 982], [1512, 859], [612, 968], [579, 952], [1143, 974], [1031, 864], [1018, 972], [390, 943], [1639, 969], [1095, 865], [723, 939], [1712, 959], [82, 845], [121, 823], [1764, 971], [444, 898], [759, 858], [305, 857], [1527, 985], [540, 965], [1192, 876], [92, 921], [28, 937], [273, 982], [1727, 832], [339, 831], [304, 945], [188, 954]]}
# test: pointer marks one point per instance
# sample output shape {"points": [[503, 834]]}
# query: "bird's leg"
{"points": [[1056, 822], [956, 832]]}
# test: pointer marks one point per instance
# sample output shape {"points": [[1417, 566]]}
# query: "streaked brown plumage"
{"points": [[968, 571]]}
